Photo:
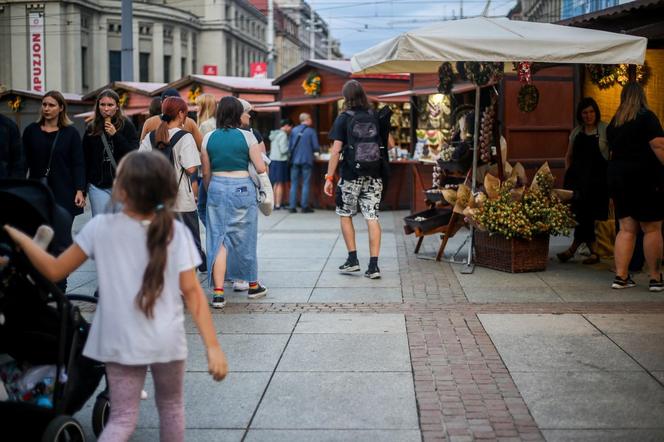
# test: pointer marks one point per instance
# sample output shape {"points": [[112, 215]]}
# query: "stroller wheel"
{"points": [[64, 429], [100, 414]]}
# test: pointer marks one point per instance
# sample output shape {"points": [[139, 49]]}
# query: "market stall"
{"points": [[479, 47], [24, 107], [314, 87], [135, 98], [257, 91]]}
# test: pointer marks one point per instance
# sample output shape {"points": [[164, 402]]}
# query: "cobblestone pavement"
{"points": [[490, 355]]}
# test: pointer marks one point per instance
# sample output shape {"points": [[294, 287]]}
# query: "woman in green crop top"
{"points": [[232, 208]]}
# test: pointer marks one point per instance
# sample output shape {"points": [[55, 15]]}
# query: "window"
{"points": [[84, 67], [183, 66], [115, 65], [144, 67], [167, 68]]}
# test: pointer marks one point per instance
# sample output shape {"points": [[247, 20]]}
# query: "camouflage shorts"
{"points": [[363, 191]]}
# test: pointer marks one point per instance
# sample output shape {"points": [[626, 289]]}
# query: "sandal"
{"points": [[592, 259], [565, 256]]}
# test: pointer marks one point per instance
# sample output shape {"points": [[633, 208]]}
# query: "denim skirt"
{"points": [[232, 221]]}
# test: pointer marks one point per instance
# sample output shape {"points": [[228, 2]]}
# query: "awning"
{"points": [[404, 96], [497, 39], [299, 102], [267, 109]]}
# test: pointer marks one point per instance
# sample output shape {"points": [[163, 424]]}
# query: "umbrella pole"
{"points": [[470, 267]]}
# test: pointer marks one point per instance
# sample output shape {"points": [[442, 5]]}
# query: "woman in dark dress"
{"points": [[586, 163], [636, 184], [121, 138], [53, 154]]}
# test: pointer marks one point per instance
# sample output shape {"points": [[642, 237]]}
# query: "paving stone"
{"points": [[244, 352], [293, 252], [648, 349], [659, 374], [265, 323], [580, 293], [483, 277], [346, 352], [275, 295], [292, 264], [510, 294], [544, 353], [212, 405], [288, 279], [376, 323], [191, 435], [333, 435], [628, 323], [338, 401], [354, 295], [79, 278], [620, 435], [385, 264], [536, 324], [357, 280], [592, 399]]}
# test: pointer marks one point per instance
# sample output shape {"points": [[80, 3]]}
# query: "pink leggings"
{"points": [[125, 383]]}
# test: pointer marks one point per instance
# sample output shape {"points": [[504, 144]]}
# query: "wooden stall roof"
{"points": [[234, 85], [69, 97], [404, 96], [140, 88], [641, 17], [334, 73]]}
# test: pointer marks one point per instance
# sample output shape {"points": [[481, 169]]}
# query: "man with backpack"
{"points": [[359, 141]]}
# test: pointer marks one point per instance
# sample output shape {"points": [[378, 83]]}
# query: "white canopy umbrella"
{"points": [[485, 39], [497, 39]]}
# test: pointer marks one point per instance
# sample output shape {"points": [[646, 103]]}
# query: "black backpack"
{"points": [[363, 143], [167, 149]]}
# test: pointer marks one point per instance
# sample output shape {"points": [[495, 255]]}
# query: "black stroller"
{"points": [[40, 325]]}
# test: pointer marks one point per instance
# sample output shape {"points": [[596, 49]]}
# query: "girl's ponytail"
{"points": [[160, 234], [146, 184], [170, 108]]}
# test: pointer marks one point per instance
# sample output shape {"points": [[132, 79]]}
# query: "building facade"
{"points": [[75, 46], [550, 11]]}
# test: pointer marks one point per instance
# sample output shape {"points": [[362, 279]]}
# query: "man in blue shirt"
{"points": [[302, 145]]}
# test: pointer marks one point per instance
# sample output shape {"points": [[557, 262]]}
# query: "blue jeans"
{"points": [[297, 171], [100, 200]]}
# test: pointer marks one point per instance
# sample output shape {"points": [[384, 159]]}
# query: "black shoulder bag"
{"points": [[44, 179], [109, 152]]}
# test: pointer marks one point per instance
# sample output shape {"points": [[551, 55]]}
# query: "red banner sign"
{"points": [[37, 51], [210, 69], [258, 70]]}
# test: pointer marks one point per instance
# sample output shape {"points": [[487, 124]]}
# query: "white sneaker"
{"points": [[240, 286]]}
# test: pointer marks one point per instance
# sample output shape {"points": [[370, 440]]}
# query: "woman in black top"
{"points": [[102, 158], [636, 184], [53, 153], [586, 163]]}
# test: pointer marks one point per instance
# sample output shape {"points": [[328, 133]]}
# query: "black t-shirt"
{"points": [[631, 141], [339, 132], [633, 163]]}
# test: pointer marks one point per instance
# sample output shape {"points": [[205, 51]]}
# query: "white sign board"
{"points": [[36, 20]]}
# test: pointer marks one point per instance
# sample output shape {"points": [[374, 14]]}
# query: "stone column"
{"points": [[18, 44], [176, 59], [98, 52], [72, 68], [157, 53], [135, 43], [55, 62]]}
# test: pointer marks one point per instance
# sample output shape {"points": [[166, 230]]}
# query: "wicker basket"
{"points": [[511, 255]]}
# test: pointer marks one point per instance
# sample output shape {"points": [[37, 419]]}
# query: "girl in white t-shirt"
{"points": [[144, 259]]}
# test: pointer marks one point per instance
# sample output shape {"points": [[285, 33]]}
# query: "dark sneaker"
{"points": [[350, 266], [620, 283], [292, 210], [257, 292], [307, 210], [218, 301], [656, 286], [372, 273]]}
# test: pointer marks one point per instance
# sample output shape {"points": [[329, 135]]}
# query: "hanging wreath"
{"points": [[15, 103], [528, 98], [194, 92], [124, 100], [642, 74], [445, 78], [602, 75], [312, 84], [482, 73]]}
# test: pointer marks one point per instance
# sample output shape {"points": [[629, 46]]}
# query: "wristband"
{"points": [[329, 177]]}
